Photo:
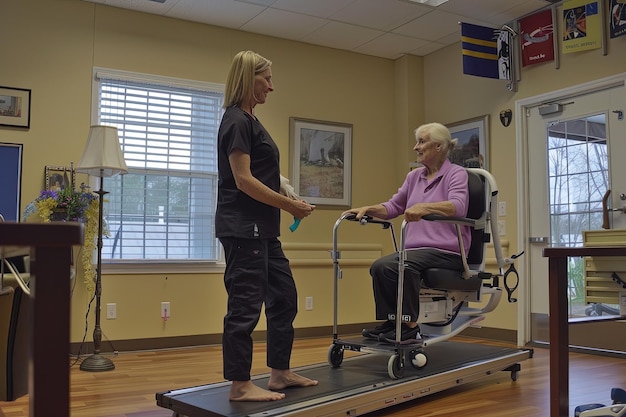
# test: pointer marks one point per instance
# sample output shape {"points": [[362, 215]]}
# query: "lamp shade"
{"points": [[103, 156]]}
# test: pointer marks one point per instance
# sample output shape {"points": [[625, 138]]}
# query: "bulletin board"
{"points": [[11, 185]]}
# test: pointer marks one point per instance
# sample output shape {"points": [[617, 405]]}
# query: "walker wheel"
{"points": [[395, 366], [418, 358], [335, 355]]}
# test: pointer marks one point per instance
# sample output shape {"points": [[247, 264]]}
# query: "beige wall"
{"points": [[51, 46]]}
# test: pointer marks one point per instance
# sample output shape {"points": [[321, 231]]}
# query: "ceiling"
{"points": [[383, 28]]}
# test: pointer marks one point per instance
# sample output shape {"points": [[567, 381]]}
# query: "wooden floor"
{"points": [[129, 390]]}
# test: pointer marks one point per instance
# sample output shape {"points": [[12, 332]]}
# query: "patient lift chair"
{"points": [[445, 294]]}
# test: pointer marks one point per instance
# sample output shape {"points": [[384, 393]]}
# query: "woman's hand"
{"points": [[359, 212], [415, 213], [419, 210], [377, 210], [300, 209]]}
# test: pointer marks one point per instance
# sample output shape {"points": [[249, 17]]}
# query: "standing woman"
{"points": [[247, 223]]}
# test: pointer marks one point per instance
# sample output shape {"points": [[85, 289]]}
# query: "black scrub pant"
{"points": [[384, 273], [257, 272]]}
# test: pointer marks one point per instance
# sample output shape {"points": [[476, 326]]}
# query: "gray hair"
{"points": [[437, 133]]}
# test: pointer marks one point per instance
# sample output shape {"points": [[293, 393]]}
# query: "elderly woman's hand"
{"points": [[358, 212], [415, 212]]}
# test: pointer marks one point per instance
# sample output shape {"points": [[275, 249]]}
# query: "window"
{"points": [[579, 177], [163, 210]]}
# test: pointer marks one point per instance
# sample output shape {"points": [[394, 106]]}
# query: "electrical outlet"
{"points": [[502, 208], [308, 302], [166, 310], [111, 311]]}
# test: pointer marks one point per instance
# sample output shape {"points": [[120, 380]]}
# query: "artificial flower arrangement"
{"points": [[76, 206]]}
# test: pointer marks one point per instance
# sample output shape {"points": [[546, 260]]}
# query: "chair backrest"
{"points": [[476, 209]]}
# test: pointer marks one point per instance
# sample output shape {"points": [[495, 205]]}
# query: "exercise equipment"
{"points": [[359, 387], [445, 293], [376, 377]]}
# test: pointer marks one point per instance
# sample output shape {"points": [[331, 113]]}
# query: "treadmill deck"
{"points": [[359, 386]]}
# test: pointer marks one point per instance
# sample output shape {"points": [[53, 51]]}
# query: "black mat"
{"points": [[355, 375]]}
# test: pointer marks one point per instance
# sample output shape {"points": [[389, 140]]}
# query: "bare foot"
{"points": [[247, 391], [281, 379]]}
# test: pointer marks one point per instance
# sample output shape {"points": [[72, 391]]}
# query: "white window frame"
{"points": [[152, 266]]}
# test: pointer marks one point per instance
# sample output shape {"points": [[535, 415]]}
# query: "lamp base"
{"points": [[97, 363]]}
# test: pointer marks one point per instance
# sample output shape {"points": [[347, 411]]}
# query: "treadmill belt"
{"points": [[356, 375]]}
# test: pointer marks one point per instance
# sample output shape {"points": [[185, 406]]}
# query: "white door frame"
{"points": [[523, 193]]}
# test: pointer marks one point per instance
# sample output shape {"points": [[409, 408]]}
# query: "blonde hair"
{"points": [[437, 133], [240, 81]]}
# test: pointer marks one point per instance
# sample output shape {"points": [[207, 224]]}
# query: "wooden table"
{"points": [[50, 253], [558, 321]]}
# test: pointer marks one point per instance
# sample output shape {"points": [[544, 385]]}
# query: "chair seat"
{"points": [[449, 279]]}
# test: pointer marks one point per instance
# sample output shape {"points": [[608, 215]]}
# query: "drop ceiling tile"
{"points": [[264, 3], [283, 24], [224, 13], [518, 11], [318, 8], [140, 5], [390, 46], [431, 26], [342, 36], [377, 14]]}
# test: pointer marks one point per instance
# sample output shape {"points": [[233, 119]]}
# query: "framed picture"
{"points": [[321, 161], [14, 107], [11, 174], [472, 149], [59, 178]]}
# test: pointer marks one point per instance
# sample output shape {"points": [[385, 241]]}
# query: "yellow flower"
{"points": [[77, 206]]}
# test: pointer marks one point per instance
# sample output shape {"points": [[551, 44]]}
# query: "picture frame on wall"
{"points": [[59, 178], [14, 107], [321, 161], [472, 150]]}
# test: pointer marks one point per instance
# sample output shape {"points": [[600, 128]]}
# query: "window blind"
{"points": [[163, 209]]}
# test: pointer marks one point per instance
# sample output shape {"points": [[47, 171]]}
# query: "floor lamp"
{"points": [[102, 157]]}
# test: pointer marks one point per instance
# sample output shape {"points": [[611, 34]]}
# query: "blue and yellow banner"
{"points": [[486, 51]]}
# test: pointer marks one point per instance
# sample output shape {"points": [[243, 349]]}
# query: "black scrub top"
{"points": [[239, 215]]}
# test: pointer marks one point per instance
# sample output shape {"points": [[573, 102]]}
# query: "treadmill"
{"points": [[360, 386]]}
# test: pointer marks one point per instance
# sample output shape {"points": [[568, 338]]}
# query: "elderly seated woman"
{"points": [[438, 187]]}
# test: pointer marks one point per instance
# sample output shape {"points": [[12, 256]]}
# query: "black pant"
{"points": [[257, 272], [384, 273]]}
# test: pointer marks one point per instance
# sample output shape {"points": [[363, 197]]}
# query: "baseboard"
{"points": [[130, 345]]}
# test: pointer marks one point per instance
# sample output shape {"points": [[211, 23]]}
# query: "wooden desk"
{"points": [[559, 332], [50, 251]]}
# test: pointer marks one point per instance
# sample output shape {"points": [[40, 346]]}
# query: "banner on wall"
{"points": [[617, 18], [537, 38], [582, 29], [486, 51]]}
